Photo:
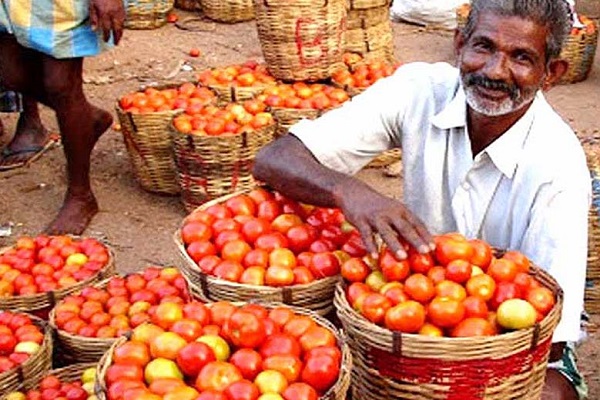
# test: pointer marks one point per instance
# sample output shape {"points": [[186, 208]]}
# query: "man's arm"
{"points": [[289, 167]]}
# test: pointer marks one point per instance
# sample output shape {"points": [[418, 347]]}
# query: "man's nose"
{"points": [[496, 67]]}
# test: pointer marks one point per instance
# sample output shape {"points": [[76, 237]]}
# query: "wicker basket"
{"points": [[235, 94], [462, 14], [377, 39], [40, 304], [386, 158], [362, 19], [286, 117], [579, 50], [336, 392], [188, 5], [391, 365], [367, 4], [147, 14], [316, 296], [301, 40], [213, 166], [72, 373], [26, 375], [228, 11], [592, 292]]}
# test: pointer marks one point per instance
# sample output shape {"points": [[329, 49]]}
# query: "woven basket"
{"points": [[26, 375], [235, 94], [579, 50], [72, 373], [386, 158], [147, 14], [228, 11], [462, 14], [301, 40], [362, 19], [188, 5], [336, 392], [286, 117], [376, 39], [592, 292], [150, 149], [213, 166], [40, 304], [367, 4], [391, 365], [316, 296]]}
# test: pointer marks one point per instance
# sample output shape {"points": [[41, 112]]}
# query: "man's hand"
{"points": [[373, 213], [109, 17]]}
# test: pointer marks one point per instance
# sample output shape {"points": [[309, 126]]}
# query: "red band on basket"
{"points": [[460, 380], [306, 25]]}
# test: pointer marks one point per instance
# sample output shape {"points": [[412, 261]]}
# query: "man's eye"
{"points": [[482, 46], [523, 57]]}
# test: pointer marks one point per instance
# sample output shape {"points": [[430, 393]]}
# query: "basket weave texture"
{"points": [[228, 11], [337, 392], [391, 365], [147, 14], [188, 5], [374, 41], [301, 40], [27, 375], [316, 296], [361, 19], [579, 50], [40, 304], [592, 292], [367, 4], [235, 94], [213, 166]]}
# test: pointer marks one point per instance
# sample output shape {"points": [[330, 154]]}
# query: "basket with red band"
{"points": [[36, 272], [262, 245], [238, 350], [464, 322]]}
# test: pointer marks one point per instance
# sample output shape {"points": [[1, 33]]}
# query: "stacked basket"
{"points": [[393, 365], [369, 29], [147, 14], [228, 11], [188, 5], [301, 40], [592, 292]]}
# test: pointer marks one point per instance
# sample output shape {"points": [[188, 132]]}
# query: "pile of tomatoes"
{"points": [[589, 26], [20, 338], [52, 387], [248, 74], [125, 303], [188, 96], [264, 238], [233, 118], [458, 290], [363, 74], [305, 96], [46, 263], [222, 351]]}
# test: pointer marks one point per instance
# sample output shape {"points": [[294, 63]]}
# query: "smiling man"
{"points": [[483, 153]]}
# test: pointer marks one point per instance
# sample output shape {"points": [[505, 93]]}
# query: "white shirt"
{"points": [[529, 190]]}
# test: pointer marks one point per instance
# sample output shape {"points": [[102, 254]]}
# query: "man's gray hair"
{"points": [[555, 15]]}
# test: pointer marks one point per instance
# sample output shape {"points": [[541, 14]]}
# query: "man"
{"points": [[31, 140], [42, 47], [483, 154]]}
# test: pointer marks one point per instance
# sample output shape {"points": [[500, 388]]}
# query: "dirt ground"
{"points": [[139, 225]]}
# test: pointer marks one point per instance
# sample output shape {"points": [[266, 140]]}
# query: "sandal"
{"points": [[27, 155]]}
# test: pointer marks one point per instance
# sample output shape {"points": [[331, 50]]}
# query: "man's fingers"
{"points": [[423, 233], [106, 26], [117, 30], [390, 237], [93, 17], [366, 234]]}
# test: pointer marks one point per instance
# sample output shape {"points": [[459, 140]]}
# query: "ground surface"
{"points": [[139, 225]]}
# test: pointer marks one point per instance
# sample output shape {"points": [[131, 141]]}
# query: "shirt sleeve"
{"points": [[347, 138], [557, 240]]}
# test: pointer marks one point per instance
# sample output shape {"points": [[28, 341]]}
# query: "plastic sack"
{"points": [[434, 13]]}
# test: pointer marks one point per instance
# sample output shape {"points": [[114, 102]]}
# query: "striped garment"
{"points": [[59, 28]]}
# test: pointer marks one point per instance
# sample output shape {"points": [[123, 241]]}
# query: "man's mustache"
{"points": [[481, 80]]}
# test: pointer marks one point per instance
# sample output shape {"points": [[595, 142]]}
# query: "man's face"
{"points": [[503, 63]]}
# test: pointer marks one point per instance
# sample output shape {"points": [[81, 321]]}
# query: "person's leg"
{"points": [[81, 124], [563, 379]]}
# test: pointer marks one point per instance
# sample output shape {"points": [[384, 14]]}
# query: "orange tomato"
{"points": [[419, 288], [482, 253], [451, 290], [475, 307], [437, 274], [408, 317], [519, 259], [451, 247], [482, 286], [445, 312], [431, 330], [470, 327], [503, 270], [542, 299]]}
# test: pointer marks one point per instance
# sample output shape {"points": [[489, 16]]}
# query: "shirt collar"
{"points": [[504, 151]]}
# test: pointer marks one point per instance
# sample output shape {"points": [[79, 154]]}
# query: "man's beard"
{"points": [[516, 99]]}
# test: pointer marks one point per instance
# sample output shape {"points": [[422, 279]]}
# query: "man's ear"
{"points": [[459, 41], [556, 69]]}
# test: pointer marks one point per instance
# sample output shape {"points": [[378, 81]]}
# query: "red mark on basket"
{"points": [[313, 50], [459, 380]]}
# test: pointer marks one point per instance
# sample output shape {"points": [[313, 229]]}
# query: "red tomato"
{"points": [[197, 312], [355, 270], [229, 270], [324, 265], [475, 307], [459, 271], [255, 227], [419, 288], [268, 210], [317, 336], [280, 315], [199, 250], [375, 306], [221, 311], [116, 372], [241, 205], [271, 241], [321, 372], [188, 329], [542, 299], [482, 286], [451, 290], [256, 258], [289, 366], [245, 329], [300, 391], [248, 361], [393, 269], [242, 390], [407, 317], [482, 253], [502, 270], [355, 291], [470, 327], [277, 275], [219, 211], [420, 263], [193, 357], [195, 232], [445, 312], [132, 353], [7, 344], [331, 351], [300, 237], [284, 222], [521, 261], [258, 195], [281, 344], [217, 376], [449, 248], [504, 291]]}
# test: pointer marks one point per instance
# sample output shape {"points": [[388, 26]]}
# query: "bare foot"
{"points": [[74, 216], [30, 140]]}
